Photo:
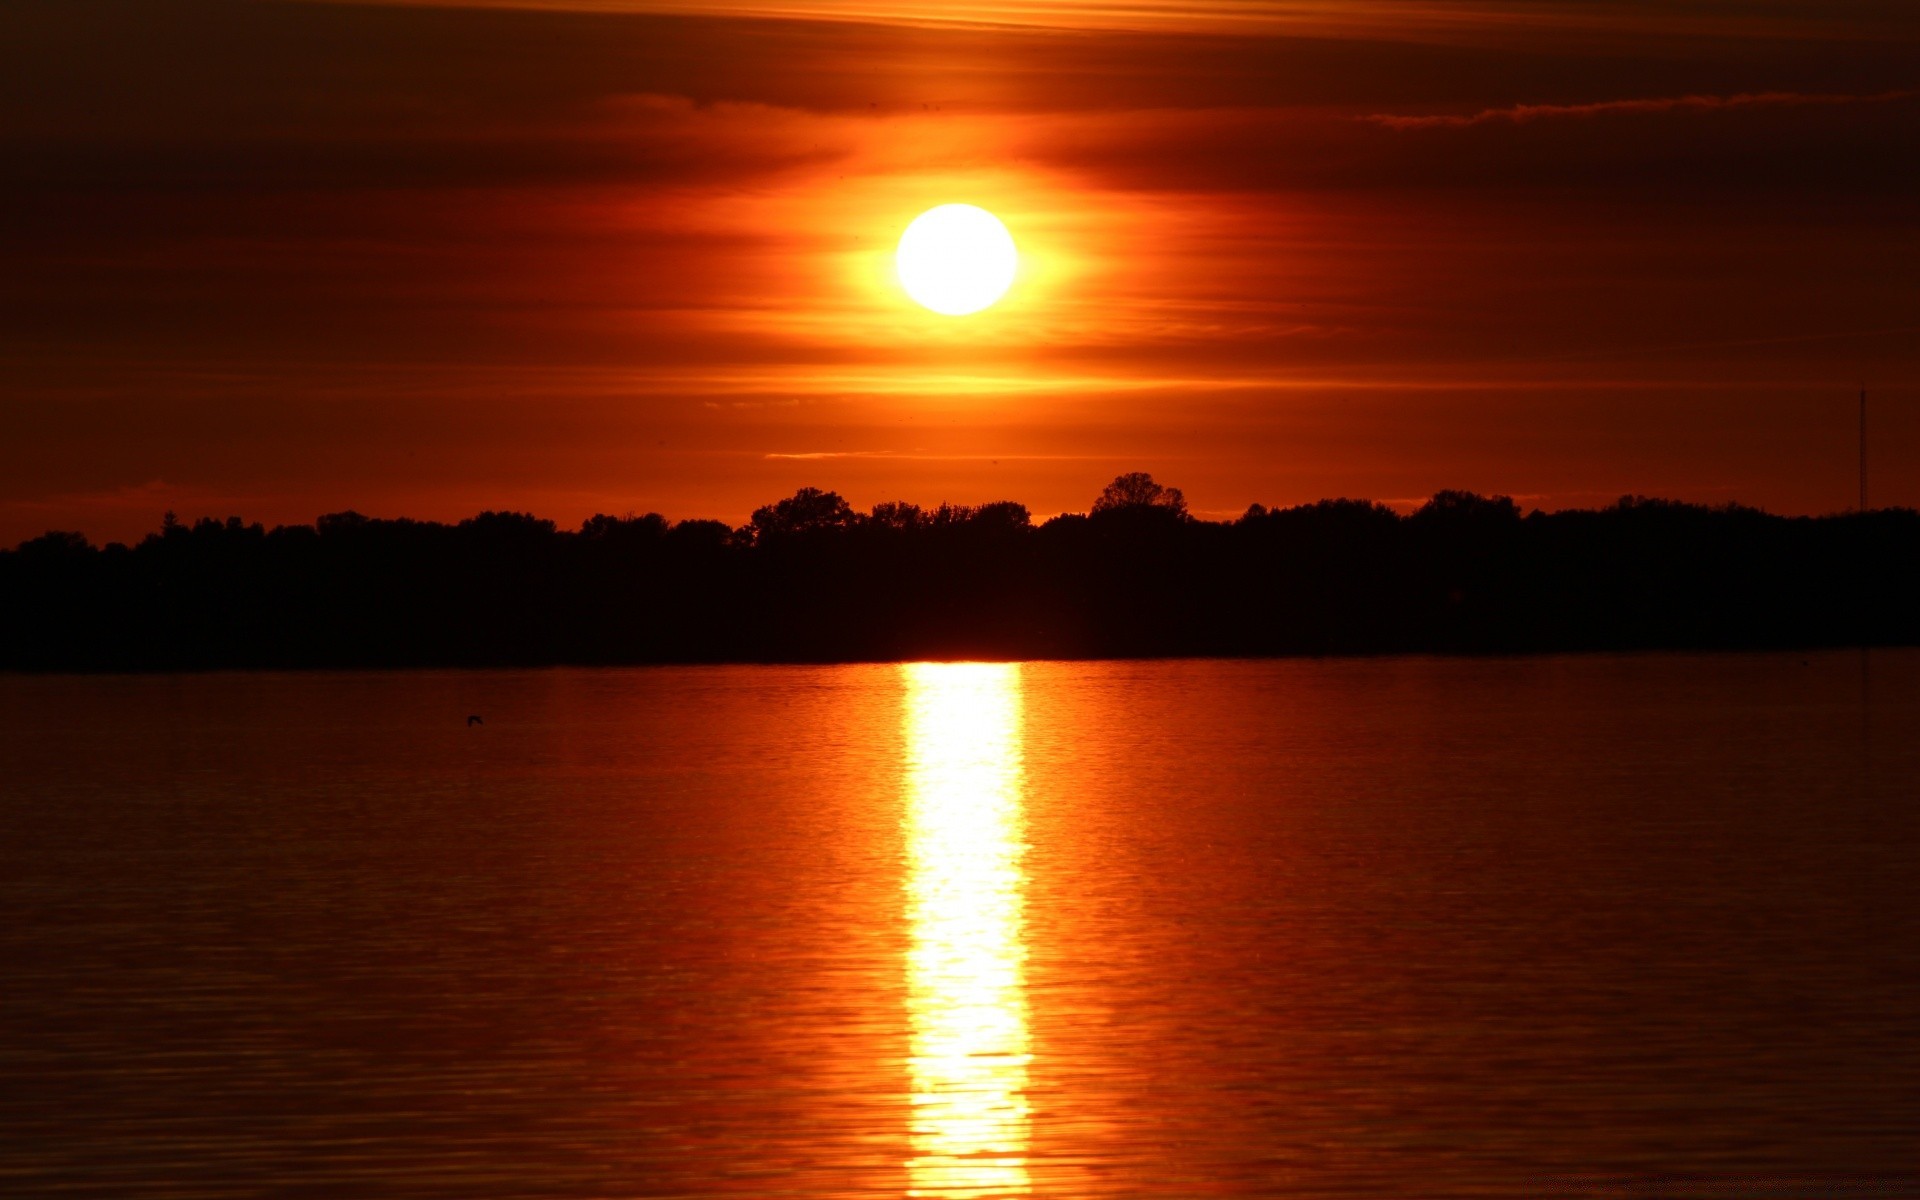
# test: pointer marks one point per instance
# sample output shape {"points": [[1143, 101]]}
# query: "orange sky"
{"points": [[278, 259]]}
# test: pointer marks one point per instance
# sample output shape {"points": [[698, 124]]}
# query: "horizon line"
{"points": [[1400, 507]]}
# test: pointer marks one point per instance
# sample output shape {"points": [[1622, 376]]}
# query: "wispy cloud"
{"points": [[1520, 114], [916, 456], [153, 496], [1397, 19]]}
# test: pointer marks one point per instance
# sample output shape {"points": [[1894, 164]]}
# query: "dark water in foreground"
{"points": [[1583, 926]]}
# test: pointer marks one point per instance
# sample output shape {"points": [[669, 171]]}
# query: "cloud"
{"points": [[1401, 20], [1520, 114], [916, 456]]}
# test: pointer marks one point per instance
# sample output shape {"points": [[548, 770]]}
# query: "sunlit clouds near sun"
{"points": [[807, 270]]}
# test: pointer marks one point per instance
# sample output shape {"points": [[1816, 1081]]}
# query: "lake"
{"points": [[1608, 925]]}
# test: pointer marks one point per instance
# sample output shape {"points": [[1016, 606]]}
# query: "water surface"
{"points": [[1400, 927]]}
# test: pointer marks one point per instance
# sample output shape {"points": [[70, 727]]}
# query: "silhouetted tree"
{"points": [[1463, 508], [55, 545], [628, 529], [1136, 490], [809, 579], [806, 511], [1003, 514], [339, 523], [508, 525], [710, 535], [897, 514]]}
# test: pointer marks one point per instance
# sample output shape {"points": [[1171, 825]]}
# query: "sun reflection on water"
{"points": [[966, 835]]}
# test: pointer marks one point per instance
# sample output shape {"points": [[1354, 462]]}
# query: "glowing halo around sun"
{"points": [[956, 259]]}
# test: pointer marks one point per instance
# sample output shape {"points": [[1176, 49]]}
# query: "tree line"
{"points": [[810, 578]]}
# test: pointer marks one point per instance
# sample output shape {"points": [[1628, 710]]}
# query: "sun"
{"points": [[956, 259]]}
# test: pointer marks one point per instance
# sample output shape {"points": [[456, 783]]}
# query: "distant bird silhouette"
{"points": [[472, 721]]}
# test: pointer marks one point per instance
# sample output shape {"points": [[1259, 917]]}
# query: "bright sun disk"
{"points": [[956, 259]]}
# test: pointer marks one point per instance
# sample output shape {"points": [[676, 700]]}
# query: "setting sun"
{"points": [[956, 259]]}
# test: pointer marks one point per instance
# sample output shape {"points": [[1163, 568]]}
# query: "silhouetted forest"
{"points": [[811, 579]]}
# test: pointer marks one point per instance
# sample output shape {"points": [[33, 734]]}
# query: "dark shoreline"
{"points": [[811, 581]]}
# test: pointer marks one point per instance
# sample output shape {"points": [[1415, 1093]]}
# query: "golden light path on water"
{"points": [[966, 836]]}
